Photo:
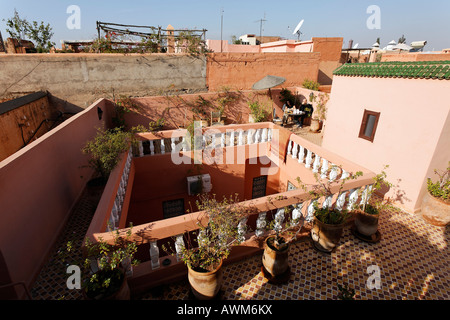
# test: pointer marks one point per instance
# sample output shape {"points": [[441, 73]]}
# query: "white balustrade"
{"points": [[334, 172], [316, 163], [264, 136], [310, 211], [341, 200], [294, 150], [327, 202], [279, 218], [301, 154], [257, 135], [324, 170], [172, 144], [179, 246], [297, 213], [308, 159], [352, 198], [289, 149], [242, 229], [269, 134], [261, 224], [231, 141], [152, 147], [154, 255], [250, 136], [222, 139], [141, 149], [163, 147], [241, 138]]}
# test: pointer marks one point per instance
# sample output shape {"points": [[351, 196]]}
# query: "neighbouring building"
{"points": [[396, 114]]}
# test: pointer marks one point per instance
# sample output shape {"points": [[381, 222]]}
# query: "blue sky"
{"points": [[417, 20]]}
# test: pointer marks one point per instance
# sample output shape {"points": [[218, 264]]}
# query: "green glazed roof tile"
{"points": [[414, 69]]}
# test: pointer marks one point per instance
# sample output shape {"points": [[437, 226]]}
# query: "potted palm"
{"points": [[367, 213], [328, 221], [105, 266], [213, 244], [436, 202]]}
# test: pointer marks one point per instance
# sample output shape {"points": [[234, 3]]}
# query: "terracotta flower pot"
{"points": [[205, 285], [366, 223], [315, 125], [326, 237], [275, 261], [435, 211]]}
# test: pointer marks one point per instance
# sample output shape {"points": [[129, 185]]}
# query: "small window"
{"points": [[173, 208], [259, 187], [369, 125]]}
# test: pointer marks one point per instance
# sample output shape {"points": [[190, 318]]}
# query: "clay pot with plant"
{"points": [[368, 212], [105, 266], [321, 111], [275, 264], [212, 245], [436, 202], [328, 221]]}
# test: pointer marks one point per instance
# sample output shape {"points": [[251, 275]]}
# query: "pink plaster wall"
{"points": [[39, 185], [412, 135]]}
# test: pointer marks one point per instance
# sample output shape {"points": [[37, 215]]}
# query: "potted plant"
{"points": [[105, 150], [258, 112], [106, 266], [367, 214], [328, 222], [321, 111], [213, 244], [275, 264], [436, 202]]}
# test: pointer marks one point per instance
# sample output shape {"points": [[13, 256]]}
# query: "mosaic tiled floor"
{"points": [[411, 259]]}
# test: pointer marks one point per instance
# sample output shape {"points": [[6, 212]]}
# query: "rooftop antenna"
{"points": [[260, 27], [297, 29]]}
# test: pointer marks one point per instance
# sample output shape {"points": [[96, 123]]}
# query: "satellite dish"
{"points": [[355, 46], [297, 29]]}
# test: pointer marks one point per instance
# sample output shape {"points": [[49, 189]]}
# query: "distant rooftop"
{"points": [[396, 69]]}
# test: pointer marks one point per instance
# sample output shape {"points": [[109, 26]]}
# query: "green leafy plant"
{"points": [[105, 150], [104, 265], [258, 111], [321, 105], [287, 95], [441, 188], [311, 84], [371, 205], [215, 239], [41, 33], [323, 189]]}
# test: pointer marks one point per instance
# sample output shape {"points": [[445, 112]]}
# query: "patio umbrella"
{"points": [[268, 82]]}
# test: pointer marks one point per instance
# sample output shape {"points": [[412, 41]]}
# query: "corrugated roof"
{"points": [[396, 69]]}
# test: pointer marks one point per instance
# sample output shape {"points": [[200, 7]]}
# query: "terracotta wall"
{"points": [[39, 186], [242, 70], [410, 139], [330, 54], [25, 121], [177, 110]]}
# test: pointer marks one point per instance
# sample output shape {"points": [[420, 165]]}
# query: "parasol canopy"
{"points": [[268, 82]]}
